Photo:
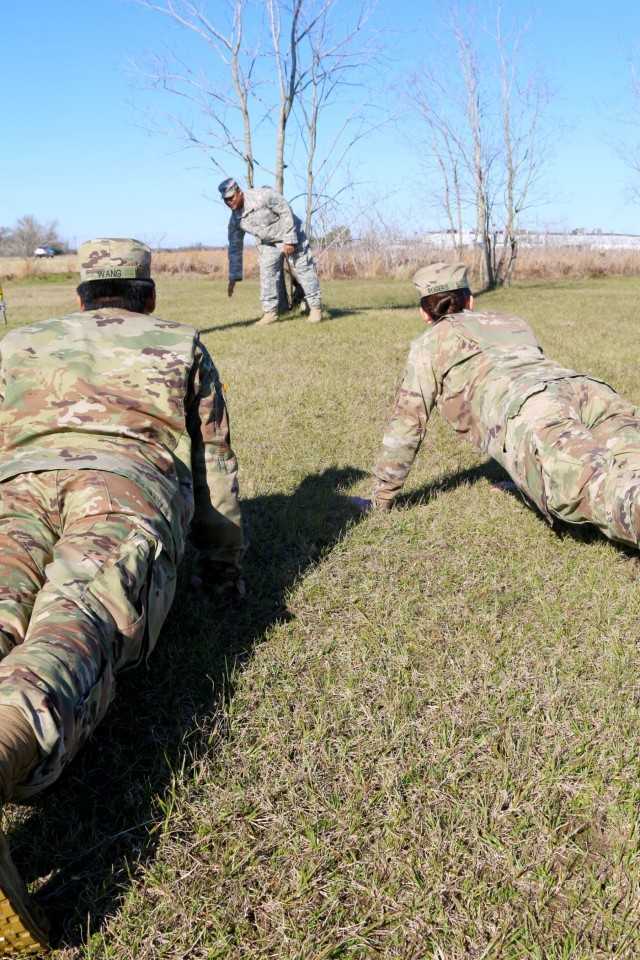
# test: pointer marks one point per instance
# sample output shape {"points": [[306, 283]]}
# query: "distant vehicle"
{"points": [[45, 251]]}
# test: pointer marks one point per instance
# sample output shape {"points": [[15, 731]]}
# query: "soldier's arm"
{"points": [[236, 243], [280, 206], [406, 428], [216, 528]]}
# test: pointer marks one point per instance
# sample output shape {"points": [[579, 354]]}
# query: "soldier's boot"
{"points": [[266, 319], [304, 307], [24, 930], [315, 315]]}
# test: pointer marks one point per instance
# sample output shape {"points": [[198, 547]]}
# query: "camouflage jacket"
{"points": [[132, 395], [268, 217], [477, 369]]}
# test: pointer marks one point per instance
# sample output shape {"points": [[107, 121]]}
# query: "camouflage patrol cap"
{"points": [[228, 187], [438, 277], [114, 259]]}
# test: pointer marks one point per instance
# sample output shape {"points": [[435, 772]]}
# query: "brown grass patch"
{"points": [[364, 261]]}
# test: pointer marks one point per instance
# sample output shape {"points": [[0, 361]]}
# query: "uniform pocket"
{"points": [[119, 596]]}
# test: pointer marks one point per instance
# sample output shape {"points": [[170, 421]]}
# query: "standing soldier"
{"points": [[266, 215], [115, 439], [570, 444]]}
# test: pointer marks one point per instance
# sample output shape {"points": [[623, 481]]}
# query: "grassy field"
{"points": [[420, 736]]}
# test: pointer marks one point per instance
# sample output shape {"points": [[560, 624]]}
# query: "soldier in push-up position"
{"points": [[114, 441], [570, 443]]}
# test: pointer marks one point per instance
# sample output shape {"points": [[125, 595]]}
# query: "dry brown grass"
{"points": [[201, 262], [555, 263], [19, 268], [364, 261], [376, 261]]}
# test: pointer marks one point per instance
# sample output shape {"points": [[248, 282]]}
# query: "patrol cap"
{"points": [[228, 187], [438, 277], [114, 259]]}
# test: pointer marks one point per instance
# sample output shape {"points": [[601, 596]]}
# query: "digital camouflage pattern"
{"points": [[270, 259], [228, 187], [267, 216], [569, 442], [115, 440]]}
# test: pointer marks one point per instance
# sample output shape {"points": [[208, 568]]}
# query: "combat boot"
{"points": [[266, 319], [304, 307], [315, 315], [24, 929]]}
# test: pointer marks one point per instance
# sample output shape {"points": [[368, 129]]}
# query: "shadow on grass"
{"points": [[91, 833], [291, 317], [284, 318], [228, 326], [494, 474], [329, 314], [374, 309], [490, 470]]}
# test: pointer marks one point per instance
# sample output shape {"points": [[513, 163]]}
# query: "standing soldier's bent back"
{"points": [[114, 441]]}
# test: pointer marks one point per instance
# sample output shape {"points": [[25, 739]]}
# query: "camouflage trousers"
{"points": [[574, 450], [270, 259], [87, 576]]}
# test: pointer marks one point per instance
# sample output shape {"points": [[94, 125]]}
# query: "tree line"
{"points": [[27, 234], [282, 91], [287, 88]]}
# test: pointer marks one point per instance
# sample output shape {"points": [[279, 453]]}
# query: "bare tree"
{"points": [[335, 64], [27, 234], [626, 119], [483, 135], [286, 65], [5, 239], [264, 63], [213, 97], [633, 155]]}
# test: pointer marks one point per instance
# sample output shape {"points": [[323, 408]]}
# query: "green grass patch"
{"points": [[42, 279], [420, 736]]}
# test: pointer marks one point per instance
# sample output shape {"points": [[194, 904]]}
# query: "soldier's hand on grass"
{"points": [[229, 586], [503, 486], [231, 287], [360, 503]]}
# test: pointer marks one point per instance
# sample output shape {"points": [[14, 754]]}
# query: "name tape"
{"points": [[441, 287], [110, 273]]}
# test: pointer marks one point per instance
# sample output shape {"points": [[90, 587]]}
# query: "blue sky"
{"points": [[74, 148]]}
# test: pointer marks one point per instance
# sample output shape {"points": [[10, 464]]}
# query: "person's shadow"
{"points": [[498, 477], [84, 840]]}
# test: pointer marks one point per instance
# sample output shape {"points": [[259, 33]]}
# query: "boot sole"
{"points": [[16, 939], [24, 929]]}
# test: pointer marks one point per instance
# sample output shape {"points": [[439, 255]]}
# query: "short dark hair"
{"points": [[439, 305], [122, 294]]}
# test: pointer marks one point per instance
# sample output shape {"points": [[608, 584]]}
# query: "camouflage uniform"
{"points": [[269, 218], [115, 439], [569, 442]]}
